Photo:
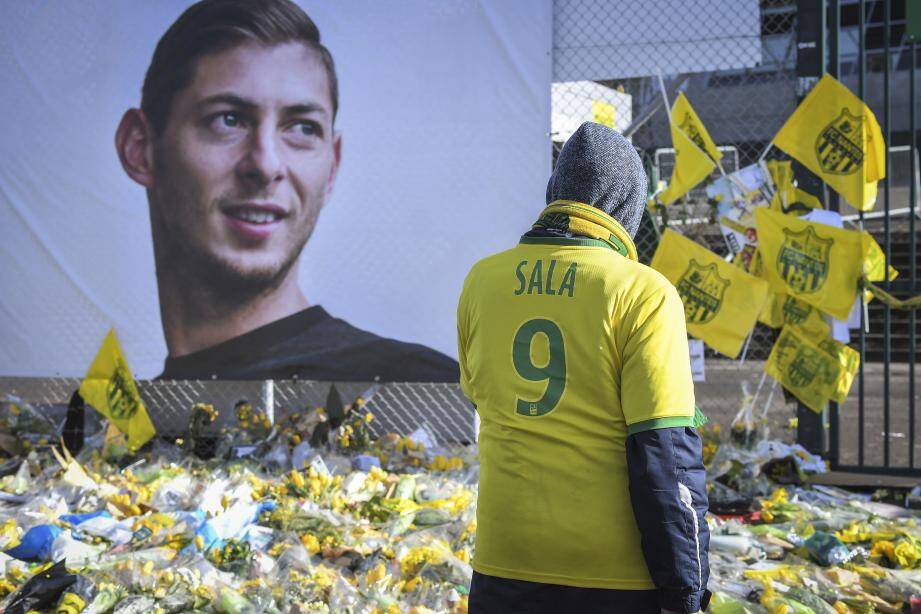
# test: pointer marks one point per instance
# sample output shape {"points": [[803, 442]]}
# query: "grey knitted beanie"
{"points": [[599, 167]]}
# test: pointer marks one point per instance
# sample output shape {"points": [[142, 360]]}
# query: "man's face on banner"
{"points": [[246, 161]]}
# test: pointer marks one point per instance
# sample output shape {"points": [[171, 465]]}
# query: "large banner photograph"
{"points": [[265, 191]]}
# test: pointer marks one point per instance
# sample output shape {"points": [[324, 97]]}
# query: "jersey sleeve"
{"points": [[462, 329], [657, 390]]}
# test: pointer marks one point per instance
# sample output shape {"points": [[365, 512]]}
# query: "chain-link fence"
{"points": [[616, 62], [611, 62], [441, 409]]}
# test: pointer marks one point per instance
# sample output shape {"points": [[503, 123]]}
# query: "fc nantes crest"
{"points": [[122, 394], [839, 146], [794, 311], [805, 367], [701, 289], [803, 259], [690, 128]]}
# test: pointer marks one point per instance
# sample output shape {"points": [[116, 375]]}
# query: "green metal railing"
{"points": [[888, 24]]}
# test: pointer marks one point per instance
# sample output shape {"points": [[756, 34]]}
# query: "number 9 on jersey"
{"points": [[554, 372]]}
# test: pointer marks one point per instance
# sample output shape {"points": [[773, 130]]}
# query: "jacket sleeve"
{"points": [[668, 492]]}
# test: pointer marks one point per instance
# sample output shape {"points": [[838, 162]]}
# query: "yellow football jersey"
{"points": [[565, 347]]}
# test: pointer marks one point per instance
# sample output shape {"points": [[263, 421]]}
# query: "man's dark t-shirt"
{"points": [[313, 345]]}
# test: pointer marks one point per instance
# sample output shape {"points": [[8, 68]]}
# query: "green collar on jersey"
{"points": [[575, 241]]}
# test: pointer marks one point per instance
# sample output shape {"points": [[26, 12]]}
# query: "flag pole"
{"points": [[668, 109], [745, 348], [767, 406]]}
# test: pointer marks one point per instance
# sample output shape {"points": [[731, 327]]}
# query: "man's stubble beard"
{"points": [[179, 254]]}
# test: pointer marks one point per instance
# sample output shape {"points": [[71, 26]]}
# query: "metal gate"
{"points": [[871, 46]]}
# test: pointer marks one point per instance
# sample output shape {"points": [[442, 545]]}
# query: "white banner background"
{"points": [[444, 110]]}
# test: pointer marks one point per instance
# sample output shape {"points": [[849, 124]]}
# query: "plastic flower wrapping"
{"points": [[312, 514], [306, 515]]}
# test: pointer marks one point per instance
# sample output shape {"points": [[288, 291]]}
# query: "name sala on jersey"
{"points": [[542, 277]]}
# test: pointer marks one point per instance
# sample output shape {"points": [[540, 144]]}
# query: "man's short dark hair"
{"points": [[211, 26]]}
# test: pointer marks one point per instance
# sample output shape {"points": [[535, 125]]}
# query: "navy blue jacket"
{"points": [[668, 490]]}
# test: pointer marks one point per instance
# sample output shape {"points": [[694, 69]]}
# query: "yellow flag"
{"points": [[875, 261], [684, 116], [780, 310], [603, 113], [693, 163], [814, 371], [721, 301], [110, 388], [836, 136], [793, 200], [849, 361], [815, 263], [781, 172]]}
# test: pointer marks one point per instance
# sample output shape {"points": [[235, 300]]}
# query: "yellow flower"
{"points": [[709, 452], [324, 576], [376, 573], [903, 554], [850, 534], [411, 584], [311, 543], [906, 554], [417, 557], [6, 587]]}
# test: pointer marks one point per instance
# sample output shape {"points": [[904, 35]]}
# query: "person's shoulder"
{"points": [[637, 289], [489, 262], [484, 270], [629, 277], [647, 282]]}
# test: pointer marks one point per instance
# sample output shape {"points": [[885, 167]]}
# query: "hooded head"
{"points": [[599, 167]]}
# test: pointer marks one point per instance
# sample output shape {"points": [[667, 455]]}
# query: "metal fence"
{"points": [[744, 82], [871, 45], [616, 62], [440, 409], [739, 74]]}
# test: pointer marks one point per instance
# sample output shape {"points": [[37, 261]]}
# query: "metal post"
{"points": [[810, 64], [862, 339], [887, 340], [834, 205], [913, 245]]}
